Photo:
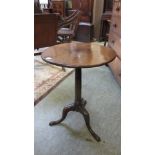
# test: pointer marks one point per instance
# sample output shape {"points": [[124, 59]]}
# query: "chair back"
{"points": [[68, 28], [75, 21], [72, 21]]}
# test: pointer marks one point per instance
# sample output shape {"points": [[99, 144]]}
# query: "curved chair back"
{"points": [[73, 19], [68, 28]]}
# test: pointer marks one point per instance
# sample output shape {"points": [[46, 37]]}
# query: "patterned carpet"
{"points": [[46, 77]]}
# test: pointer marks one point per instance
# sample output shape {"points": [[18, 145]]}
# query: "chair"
{"points": [[68, 27]]}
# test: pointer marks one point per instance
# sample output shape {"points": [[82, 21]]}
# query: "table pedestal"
{"points": [[78, 106]]}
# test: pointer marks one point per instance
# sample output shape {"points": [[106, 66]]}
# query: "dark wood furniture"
{"points": [[105, 26], [86, 7], [85, 32], [105, 20], [57, 6], [115, 39], [47, 10], [78, 56], [45, 30], [85, 28], [37, 8], [68, 27]]}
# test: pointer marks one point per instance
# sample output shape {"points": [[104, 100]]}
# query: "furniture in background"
{"points": [[68, 27], [86, 8], [86, 28], [78, 56], [60, 6], [37, 8], [57, 6], [85, 32], [105, 20], [47, 10], [45, 30], [105, 26], [115, 39]]}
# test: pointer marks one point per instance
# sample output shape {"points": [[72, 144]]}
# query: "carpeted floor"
{"points": [[71, 137], [47, 77]]}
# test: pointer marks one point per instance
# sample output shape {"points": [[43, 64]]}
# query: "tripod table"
{"points": [[78, 55]]}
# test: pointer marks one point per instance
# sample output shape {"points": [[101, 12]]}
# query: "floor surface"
{"points": [[71, 137]]}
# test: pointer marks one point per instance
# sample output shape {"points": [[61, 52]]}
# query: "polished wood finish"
{"points": [[86, 7], [117, 8], [57, 6], [116, 25], [115, 39], [78, 55], [45, 30]]}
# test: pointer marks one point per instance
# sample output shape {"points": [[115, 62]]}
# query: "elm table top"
{"points": [[78, 55]]}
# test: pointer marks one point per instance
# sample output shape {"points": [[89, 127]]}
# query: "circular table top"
{"points": [[78, 55]]}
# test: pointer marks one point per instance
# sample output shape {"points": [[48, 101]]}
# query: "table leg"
{"points": [[78, 105], [64, 114], [85, 114]]}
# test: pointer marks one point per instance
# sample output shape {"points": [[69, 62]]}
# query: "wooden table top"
{"points": [[78, 55]]}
